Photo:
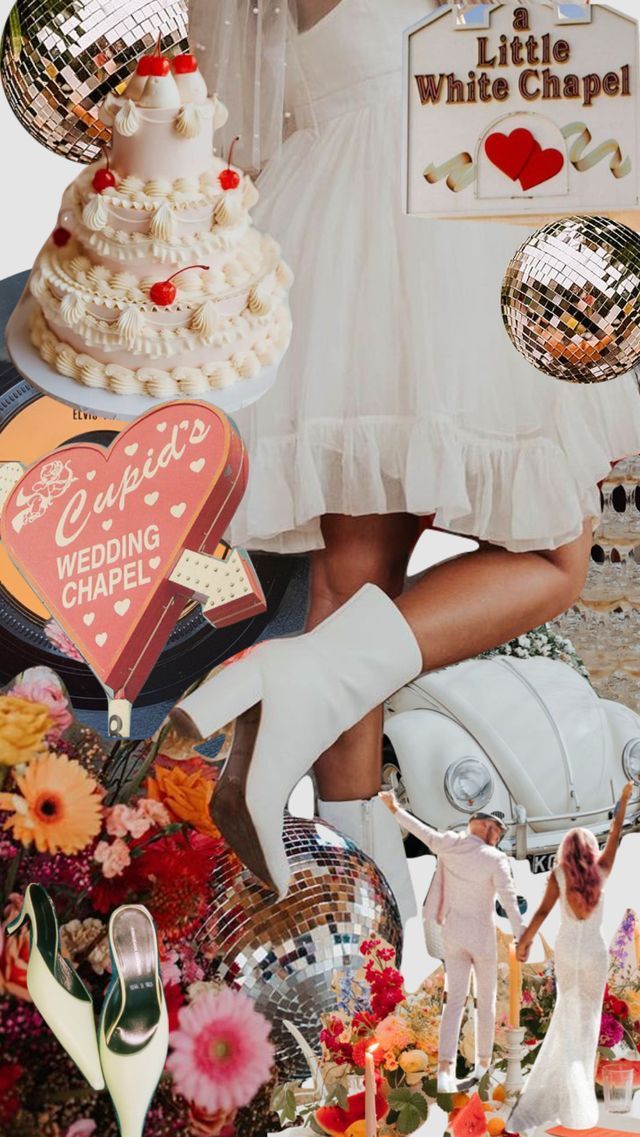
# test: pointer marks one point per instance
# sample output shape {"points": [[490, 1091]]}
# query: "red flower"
{"points": [[470, 1121], [360, 1049], [614, 1006], [10, 1074], [174, 1000], [330, 1037]]}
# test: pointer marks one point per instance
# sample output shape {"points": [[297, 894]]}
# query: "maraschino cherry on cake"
{"points": [[155, 281]]}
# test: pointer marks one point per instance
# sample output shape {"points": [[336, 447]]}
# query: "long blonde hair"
{"points": [[578, 856]]}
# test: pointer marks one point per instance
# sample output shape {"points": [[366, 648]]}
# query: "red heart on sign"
{"points": [[97, 532], [541, 166], [510, 152]]}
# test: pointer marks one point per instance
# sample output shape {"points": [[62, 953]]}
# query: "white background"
{"points": [[32, 184]]}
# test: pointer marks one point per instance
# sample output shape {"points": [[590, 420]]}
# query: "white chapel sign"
{"points": [[524, 115]]}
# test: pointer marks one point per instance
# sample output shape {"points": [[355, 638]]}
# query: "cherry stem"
{"points": [[186, 269], [158, 50], [105, 155], [230, 154]]}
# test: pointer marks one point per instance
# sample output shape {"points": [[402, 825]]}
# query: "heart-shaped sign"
{"points": [[510, 152], [98, 532], [542, 165], [522, 159]]}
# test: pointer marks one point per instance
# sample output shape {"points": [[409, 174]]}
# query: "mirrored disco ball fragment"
{"points": [[284, 955], [571, 299], [61, 57]]}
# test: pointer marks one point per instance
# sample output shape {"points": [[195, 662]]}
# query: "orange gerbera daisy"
{"points": [[23, 726], [187, 794], [59, 807]]}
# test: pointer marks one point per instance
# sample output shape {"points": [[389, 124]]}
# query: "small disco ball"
{"points": [[60, 58], [570, 299], [285, 954]]}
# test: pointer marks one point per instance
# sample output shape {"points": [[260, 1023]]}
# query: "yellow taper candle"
{"points": [[515, 987], [370, 1119]]}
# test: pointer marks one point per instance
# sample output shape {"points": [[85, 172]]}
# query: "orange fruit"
{"points": [[460, 1100], [487, 1106], [499, 1093], [495, 1126]]}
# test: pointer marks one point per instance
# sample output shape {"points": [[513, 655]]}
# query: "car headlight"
{"points": [[469, 786], [631, 760]]}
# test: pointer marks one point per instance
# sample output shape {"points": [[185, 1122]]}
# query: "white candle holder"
{"points": [[514, 1080]]}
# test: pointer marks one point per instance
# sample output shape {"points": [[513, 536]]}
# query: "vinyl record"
{"points": [[30, 425]]}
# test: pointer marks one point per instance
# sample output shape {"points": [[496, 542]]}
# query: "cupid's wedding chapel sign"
{"points": [[520, 111], [116, 540]]}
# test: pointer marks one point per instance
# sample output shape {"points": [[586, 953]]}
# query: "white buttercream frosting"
{"points": [[95, 213], [127, 120], [189, 121], [131, 324], [163, 222]]}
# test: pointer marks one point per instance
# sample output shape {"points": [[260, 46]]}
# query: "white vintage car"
{"points": [[526, 738]]}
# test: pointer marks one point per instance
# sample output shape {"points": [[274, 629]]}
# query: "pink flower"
{"points": [[611, 1031], [136, 820], [40, 685], [114, 858], [221, 1052], [155, 811], [85, 1127], [59, 638]]}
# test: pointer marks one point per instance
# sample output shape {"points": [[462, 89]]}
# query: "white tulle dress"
{"points": [[560, 1087], [401, 390]]}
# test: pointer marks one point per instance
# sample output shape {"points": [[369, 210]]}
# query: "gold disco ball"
{"points": [[571, 299], [61, 57]]}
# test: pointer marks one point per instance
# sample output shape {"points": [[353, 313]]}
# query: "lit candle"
{"points": [[370, 1118], [515, 987]]}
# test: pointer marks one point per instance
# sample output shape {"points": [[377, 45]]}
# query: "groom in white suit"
{"points": [[470, 874]]}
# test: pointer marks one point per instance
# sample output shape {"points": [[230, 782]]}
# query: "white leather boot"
{"points": [[310, 689], [374, 829]]}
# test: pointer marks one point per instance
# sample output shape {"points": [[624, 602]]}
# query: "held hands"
{"points": [[523, 949], [390, 800]]}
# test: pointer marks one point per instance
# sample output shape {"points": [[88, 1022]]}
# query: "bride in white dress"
{"points": [[560, 1087], [401, 398]]}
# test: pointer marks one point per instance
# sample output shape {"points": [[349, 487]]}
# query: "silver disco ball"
{"points": [[284, 955], [61, 57], [571, 299]]}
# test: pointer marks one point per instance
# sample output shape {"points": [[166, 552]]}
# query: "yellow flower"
{"points": [[23, 726], [187, 795], [632, 999], [59, 807]]}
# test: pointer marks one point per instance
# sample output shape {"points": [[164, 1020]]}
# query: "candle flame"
{"points": [[375, 1046]]}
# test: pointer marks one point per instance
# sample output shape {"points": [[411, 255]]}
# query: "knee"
{"points": [[571, 564]]}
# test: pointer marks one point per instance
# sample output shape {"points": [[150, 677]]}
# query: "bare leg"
{"points": [[485, 598], [359, 550]]}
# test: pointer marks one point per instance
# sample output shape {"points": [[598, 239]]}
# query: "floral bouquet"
{"points": [[375, 1014], [99, 827], [619, 1043]]}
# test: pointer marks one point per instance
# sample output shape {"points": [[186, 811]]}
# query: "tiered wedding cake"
{"points": [[107, 313]]}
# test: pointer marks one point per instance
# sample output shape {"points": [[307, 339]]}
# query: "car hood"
{"points": [[540, 723]]}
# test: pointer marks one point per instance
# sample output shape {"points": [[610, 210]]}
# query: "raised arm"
{"points": [[552, 892], [609, 853], [435, 840]]}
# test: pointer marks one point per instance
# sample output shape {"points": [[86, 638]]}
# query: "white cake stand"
{"points": [[30, 364]]}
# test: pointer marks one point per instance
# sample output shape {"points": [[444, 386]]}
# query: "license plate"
{"points": [[541, 862]]}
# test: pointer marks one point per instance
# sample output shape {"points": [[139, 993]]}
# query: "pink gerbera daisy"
{"points": [[221, 1052]]}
